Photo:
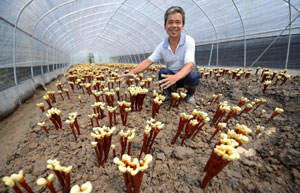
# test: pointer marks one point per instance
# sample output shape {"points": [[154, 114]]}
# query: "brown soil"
{"points": [[270, 162]]}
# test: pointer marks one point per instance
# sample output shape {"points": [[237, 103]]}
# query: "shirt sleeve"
{"points": [[190, 51], [156, 55]]}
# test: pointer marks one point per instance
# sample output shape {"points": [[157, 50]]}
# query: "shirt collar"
{"points": [[181, 41]]}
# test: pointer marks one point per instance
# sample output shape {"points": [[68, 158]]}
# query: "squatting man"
{"points": [[178, 54]]}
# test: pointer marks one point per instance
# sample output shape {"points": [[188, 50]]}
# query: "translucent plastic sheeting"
{"points": [[131, 27]]}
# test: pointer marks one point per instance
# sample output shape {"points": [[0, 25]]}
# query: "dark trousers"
{"points": [[192, 79]]}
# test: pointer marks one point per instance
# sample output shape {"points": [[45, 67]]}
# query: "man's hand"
{"points": [[168, 81], [126, 77]]}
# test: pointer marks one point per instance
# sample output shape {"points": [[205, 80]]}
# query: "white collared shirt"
{"points": [[185, 53]]}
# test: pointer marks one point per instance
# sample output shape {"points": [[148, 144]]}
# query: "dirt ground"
{"points": [[268, 163]]}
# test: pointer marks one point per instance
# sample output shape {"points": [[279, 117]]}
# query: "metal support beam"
{"points": [[14, 48], [290, 23], [244, 33], [289, 42], [213, 25], [211, 51]]}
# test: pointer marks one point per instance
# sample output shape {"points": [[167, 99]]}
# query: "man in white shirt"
{"points": [[178, 53]]}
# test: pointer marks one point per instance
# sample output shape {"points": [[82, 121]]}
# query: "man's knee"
{"points": [[164, 71], [193, 78]]}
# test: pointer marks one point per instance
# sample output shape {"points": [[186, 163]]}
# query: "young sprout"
{"points": [[286, 76], [261, 113], [111, 115], [155, 106], [109, 98], [257, 69], [261, 101], [266, 84], [220, 112], [98, 108], [67, 93], [276, 112], [238, 76], [242, 101], [130, 139], [146, 133], [133, 171], [221, 156], [182, 96], [52, 96], [97, 95], [219, 128], [202, 118], [43, 126], [183, 120], [279, 77], [88, 88], [212, 99], [217, 98], [118, 93], [94, 144], [47, 182], [155, 129], [240, 138], [19, 178], [71, 85], [71, 125], [206, 75], [217, 77], [124, 110], [201, 101], [259, 129], [10, 182], [190, 127], [264, 77], [61, 95], [242, 129], [113, 147], [234, 110], [73, 116], [85, 188], [273, 75], [55, 166], [246, 109], [103, 136], [126, 137], [174, 98], [41, 106], [47, 99], [59, 85], [91, 120], [54, 115], [248, 73]]}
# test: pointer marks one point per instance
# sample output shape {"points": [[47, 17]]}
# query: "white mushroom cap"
{"points": [[41, 182], [8, 181]]}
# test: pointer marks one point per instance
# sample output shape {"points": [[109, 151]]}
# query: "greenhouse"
{"points": [[149, 96]]}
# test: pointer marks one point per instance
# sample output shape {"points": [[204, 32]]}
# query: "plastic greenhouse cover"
{"points": [[122, 27]]}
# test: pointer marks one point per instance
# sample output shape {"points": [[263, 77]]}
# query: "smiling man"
{"points": [[178, 54]]}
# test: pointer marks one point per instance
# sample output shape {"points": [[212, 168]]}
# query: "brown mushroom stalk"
{"points": [[276, 112]]}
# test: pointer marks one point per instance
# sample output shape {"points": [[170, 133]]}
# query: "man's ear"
{"points": [[165, 26]]}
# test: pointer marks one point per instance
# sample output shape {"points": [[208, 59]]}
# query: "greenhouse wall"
{"points": [[10, 98], [232, 53]]}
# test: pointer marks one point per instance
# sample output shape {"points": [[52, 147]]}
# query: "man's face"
{"points": [[174, 25]]}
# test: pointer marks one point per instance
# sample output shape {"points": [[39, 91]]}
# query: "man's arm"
{"points": [[169, 80], [141, 67]]}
